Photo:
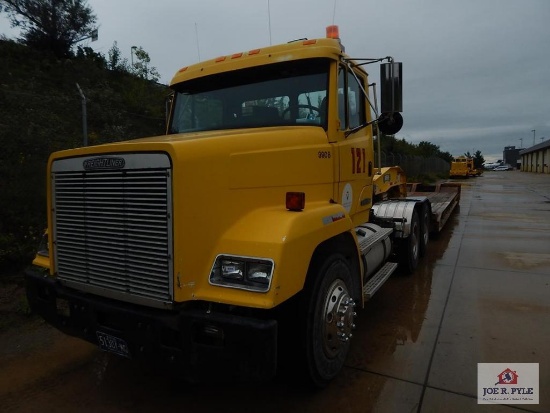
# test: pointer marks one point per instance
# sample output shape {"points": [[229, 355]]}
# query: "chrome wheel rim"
{"points": [[338, 318]]}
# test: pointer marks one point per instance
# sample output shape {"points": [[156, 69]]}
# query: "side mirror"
{"points": [[390, 123], [391, 87]]}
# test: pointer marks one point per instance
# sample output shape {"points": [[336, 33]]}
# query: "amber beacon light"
{"points": [[333, 32]]}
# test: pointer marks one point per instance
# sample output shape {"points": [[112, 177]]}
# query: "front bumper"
{"points": [[203, 345]]}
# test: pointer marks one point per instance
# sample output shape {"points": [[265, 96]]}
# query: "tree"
{"points": [[141, 66], [427, 149], [479, 160], [115, 60], [40, 112], [89, 54], [55, 25]]}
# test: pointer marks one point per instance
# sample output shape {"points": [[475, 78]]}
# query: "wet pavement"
{"points": [[481, 295]]}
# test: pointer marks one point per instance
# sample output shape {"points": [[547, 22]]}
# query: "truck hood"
{"points": [[222, 184]]}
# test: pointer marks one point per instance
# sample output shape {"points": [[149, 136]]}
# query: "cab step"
{"points": [[376, 281]]}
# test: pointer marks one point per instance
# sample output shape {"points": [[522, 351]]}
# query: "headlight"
{"points": [[245, 273], [233, 270]]}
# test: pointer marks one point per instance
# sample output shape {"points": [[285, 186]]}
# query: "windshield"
{"points": [[288, 93]]}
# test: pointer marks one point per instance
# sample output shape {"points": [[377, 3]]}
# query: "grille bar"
{"points": [[113, 229]]}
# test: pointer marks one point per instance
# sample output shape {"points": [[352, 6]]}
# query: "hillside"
{"points": [[41, 112]]}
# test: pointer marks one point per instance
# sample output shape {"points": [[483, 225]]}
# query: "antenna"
{"points": [[197, 37], [334, 12], [269, 21]]}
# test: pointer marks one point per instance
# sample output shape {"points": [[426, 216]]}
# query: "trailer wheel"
{"points": [[410, 247], [424, 229], [329, 320]]}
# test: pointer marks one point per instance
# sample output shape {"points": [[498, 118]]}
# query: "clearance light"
{"points": [[183, 69], [236, 55], [220, 59], [43, 248], [332, 32], [253, 52], [309, 42], [295, 201]]}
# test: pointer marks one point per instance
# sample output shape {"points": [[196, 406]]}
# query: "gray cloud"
{"points": [[476, 71]]}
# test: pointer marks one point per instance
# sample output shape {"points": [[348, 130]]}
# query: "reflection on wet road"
{"points": [[482, 294]]}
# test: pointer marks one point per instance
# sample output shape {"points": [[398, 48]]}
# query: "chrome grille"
{"points": [[112, 229]]}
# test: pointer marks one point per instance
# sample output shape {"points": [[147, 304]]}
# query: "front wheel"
{"points": [[329, 322]]}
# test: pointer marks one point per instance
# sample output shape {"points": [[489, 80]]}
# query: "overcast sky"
{"points": [[476, 72]]}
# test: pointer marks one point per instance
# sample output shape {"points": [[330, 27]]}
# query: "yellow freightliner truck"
{"points": [[459, 167], [463, 167], [257, 221]]}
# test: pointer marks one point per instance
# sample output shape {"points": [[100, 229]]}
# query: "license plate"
{"points": [[112, 344]]}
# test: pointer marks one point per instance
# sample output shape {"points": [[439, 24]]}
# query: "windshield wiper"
{"points": [[353, 130]]}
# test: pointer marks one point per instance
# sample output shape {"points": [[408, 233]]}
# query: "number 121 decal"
{"points": [[358, 161]]}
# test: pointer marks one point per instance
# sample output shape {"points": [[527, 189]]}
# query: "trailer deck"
{"points": [[444, 197]]}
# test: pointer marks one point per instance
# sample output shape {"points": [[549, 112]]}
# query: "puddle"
{"points": [[525, 260]]}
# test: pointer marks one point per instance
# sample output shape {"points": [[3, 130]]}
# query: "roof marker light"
{"points": [[220, 59], [236, 55], [308, 42], [255, 51], [183, 69]]}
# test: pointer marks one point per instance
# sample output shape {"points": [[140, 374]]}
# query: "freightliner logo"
{"points": [[103, 163]]}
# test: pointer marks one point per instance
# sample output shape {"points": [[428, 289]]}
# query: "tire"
{"points": [[409, 250], [329, 320], [424, 229]]}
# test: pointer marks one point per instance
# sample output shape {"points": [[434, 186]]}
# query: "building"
{"points": [[511, 156], [536, 158]]}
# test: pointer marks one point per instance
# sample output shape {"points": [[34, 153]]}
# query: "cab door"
{"points": [[356, 162]]}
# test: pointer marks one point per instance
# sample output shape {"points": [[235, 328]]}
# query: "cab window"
{"points": [[351, 103]]}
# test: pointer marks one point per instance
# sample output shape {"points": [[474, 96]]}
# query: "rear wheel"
{"points": [[424, 229], [410, 247], [329, 322]]}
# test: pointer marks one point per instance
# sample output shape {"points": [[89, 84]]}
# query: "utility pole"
{"points": [[132, 51], [84, 118]]}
